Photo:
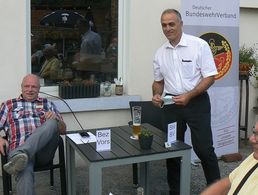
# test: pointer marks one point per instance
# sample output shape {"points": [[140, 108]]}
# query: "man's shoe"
{"points": [[16, 164]]}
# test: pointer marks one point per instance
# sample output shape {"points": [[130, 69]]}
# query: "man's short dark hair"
{"points": [[169, 11]]}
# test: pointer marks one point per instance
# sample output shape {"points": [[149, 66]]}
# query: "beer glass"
{"points": [[137, 112]]}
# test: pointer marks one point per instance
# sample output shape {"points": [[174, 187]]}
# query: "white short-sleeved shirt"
{"points": [[184, 66]]}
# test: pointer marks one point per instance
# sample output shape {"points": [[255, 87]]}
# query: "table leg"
{"points": [[185, 178], [144, 176], [95, 180], [70, 165]]}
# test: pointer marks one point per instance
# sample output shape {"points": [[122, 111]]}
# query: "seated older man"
{"points": [[243, 180], [51, 65], [32, 125]]}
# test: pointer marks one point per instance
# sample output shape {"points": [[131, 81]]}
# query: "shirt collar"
{"points": [[37, 100], [182, 42]]}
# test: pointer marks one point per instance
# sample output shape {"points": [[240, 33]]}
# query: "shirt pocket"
{"points": [[188, 68]]}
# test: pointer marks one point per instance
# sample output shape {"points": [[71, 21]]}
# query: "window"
{"points": [[74, 41]]}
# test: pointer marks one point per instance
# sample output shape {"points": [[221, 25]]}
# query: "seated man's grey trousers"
{"points": [[40, 148]]}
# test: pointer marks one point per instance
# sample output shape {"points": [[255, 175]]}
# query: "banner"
{"points": [[217, 22]]}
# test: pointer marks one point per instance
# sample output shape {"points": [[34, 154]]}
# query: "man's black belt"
{"points": [[178, 95]]}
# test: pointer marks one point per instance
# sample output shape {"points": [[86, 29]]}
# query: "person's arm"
{"points": [[61, 127], [199, 89], [3, 117], [157, 90], [60, 122], [3, 142], [220, 187], [44, 72]]}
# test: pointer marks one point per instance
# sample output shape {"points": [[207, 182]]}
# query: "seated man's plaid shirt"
{"points": [[20, 118]]}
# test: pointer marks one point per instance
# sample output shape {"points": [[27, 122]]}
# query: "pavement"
{"points": [[118, 180]]}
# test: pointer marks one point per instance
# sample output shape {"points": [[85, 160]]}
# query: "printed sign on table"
{"points": [[103, 140]]}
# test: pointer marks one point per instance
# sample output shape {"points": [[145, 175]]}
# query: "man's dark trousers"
{"points": [[196, 114]]}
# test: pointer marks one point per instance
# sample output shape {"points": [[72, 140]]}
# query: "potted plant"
{"points": [[247, 60], [145, 139]]}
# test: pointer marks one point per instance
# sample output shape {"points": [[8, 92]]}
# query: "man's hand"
{"points": [[50, 115], [61, 124], [182, 100], [220, 187], [156, 100], [3, 142]]}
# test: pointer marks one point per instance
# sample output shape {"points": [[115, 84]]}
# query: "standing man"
{"points": [[32, 125], [184, 68], [91, 43]]}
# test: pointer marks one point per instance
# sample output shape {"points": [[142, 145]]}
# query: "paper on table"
{"points": [[171, 132], [78, 139]]}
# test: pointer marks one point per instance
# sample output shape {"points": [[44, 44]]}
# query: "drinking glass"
{"points": [[137, 113]]}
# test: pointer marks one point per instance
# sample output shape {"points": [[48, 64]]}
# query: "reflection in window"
{"points": [[74, 41]]}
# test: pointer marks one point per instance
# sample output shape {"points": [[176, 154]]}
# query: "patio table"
{"points": [[126, 151]]}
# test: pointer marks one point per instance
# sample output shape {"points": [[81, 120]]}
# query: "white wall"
{"points": [[145, 36], [13, 53], [249, 3]]}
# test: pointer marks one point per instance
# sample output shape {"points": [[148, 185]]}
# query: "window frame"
{"points": [[122, 34], [101, 103]]}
